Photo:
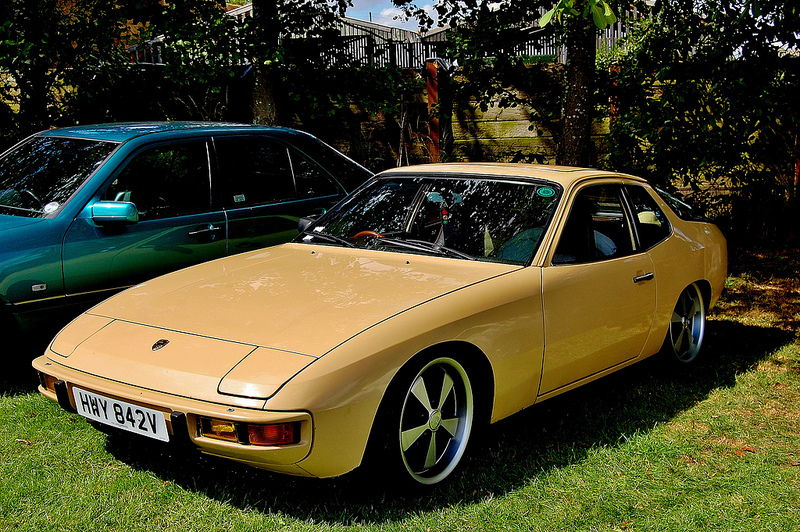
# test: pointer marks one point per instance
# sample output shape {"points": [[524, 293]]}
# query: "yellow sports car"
{"points": [[434, 300]]}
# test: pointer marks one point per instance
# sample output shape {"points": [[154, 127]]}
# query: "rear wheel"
{"points": [[686, 327], [428, 421]]}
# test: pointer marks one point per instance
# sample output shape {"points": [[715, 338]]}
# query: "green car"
{"points": [[87, 211]]}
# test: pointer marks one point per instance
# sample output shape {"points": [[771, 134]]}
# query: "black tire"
{"points": [[424, 424]]}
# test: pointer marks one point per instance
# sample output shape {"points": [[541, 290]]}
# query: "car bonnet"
{"points": [[271, 312], [8, 222]]}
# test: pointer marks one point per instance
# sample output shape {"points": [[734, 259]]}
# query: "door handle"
{"points": [[210, 232], [646, 277]]}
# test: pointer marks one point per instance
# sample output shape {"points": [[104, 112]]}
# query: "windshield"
{"points": [[466, 218], [37, 177]]}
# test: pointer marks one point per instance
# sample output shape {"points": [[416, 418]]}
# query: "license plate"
{"points": [[122, 415]]}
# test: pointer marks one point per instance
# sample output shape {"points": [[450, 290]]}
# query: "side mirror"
{"points": [[306, 221], [114, 212]]}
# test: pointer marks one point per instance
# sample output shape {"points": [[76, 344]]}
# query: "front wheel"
{"points": [[429, 420], [686, 326]]}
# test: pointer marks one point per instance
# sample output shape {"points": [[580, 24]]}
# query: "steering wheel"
{"points": [[32, 196], [362, 234]]}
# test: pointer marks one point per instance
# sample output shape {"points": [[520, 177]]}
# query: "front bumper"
{"points": [[183, 415]]}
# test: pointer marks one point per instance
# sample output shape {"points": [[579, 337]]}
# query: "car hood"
{"points": [[249, 322], [12, 222]]}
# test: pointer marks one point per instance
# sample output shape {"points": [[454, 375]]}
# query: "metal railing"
{"points": [[370, 46]]}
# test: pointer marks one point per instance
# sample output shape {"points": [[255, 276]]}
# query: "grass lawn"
{"points": [[717, 448]]}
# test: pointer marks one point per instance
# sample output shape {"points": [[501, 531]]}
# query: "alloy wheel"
{"points": [[687, 325], [436, 420]]}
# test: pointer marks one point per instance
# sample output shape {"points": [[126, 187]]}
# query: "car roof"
{"points": [[121, 132], [563, 175]]}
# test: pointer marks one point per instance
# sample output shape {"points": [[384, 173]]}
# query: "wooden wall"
{"points": [[498, 134]]}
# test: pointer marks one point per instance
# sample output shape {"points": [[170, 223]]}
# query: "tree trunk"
{"points": [[575, 146], [265, 106]]}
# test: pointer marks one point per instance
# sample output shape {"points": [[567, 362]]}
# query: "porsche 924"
{"points": [[433, 301]]}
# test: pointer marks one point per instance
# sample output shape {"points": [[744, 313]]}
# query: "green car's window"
{"points": [[165, 181], [597, 227], [680, 207], [347, 173], [37, 177], [469, 218], [311, 181], [652, 225], [253, 172]]}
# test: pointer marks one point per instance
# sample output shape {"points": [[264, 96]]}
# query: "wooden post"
{"points": [[432, 70]]}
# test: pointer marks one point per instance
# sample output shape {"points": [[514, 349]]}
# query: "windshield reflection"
{"points": [[465, 218], [37, 177]]}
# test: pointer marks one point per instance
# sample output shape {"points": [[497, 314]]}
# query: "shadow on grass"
{"points": [[554, 434], [18, 349], [17, 375]]}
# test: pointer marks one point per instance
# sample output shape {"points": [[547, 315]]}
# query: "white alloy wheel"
{"points": [[435, 421]]}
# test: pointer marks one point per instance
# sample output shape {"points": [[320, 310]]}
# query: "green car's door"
{"points": [[177, 227]]}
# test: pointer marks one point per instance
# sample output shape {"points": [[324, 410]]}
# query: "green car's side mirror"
{"points": [[114, 212]]}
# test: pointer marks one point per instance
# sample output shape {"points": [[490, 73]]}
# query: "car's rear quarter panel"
{"points": [[695, 253]]}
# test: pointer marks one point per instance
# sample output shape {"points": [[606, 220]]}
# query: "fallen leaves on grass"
{"points": [[744, 450]]}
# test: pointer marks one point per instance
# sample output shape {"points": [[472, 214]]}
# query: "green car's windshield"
{"points": [[680, 207], [468, 218], [37, 177]]}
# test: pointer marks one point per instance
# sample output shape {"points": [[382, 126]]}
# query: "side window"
{"points": [[597, 227], [253, 171], [311, 181], [165, 181], [652, 225]]}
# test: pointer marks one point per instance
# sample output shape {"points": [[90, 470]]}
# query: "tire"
{"points": [[687, 327], [426, 424]]}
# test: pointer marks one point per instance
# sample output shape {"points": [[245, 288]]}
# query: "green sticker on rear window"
{"points": [[546, 192]]}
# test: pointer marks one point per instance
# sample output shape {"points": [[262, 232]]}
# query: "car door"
{"points": [[265, 186], [598, 292], [177, 227]]}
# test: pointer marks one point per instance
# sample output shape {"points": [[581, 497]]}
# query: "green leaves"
{"points": [[703, 99], [547, 17], [601, 12]]}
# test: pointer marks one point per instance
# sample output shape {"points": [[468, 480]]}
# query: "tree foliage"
{"points": [[600, 11], [276, 29], [702, 95], [47, 49], [71, 62], [704, 98]]}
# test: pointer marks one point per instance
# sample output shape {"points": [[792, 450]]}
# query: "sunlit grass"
{"points": [[717, 448]]}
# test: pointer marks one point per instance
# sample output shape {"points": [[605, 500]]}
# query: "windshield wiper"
{"points": [[329, 237], [425, 246], [23, 209]]}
